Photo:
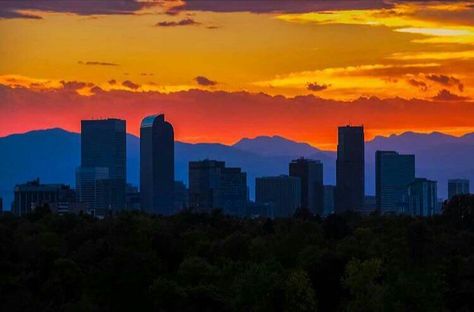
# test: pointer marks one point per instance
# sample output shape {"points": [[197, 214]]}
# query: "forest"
{"points": [[212, 262]]}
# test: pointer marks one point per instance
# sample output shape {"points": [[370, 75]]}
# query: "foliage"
{"points": [[212, 262]]}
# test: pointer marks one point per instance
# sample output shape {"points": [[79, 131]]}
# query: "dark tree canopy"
{"points": [[212, 262]]}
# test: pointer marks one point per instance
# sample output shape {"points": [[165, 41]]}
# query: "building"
{"points": [[370, 205], [393, 173], [180, 196], [1, 206], [458, 187], [212, 185], [91, 189], [281, 195], [157, 165], [350, 176], [422, 198], [329, 192], [33, 194], [133, 198], [101, 178], [310, 173]]}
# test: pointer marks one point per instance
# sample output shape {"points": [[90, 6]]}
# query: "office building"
{"points": [[212, 185], [101, 178], [281, 195], [133, 199], [157, 165], [180, 196], [422, 198], [33, 194], [458, 187], [329, 193], [310, 173], [393, 174], [350, 189]]}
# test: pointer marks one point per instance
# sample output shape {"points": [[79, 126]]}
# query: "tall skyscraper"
{"points": [[157, 165], [101, 178], [213, 185], [458, 187], [350, 189], [310, 173], [280, 195], [393, 174], [423, 198]]}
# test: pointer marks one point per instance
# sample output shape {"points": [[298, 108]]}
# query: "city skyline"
{"points": [[390, 65]]}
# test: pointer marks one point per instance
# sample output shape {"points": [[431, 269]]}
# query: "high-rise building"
{"points": [[393, 174], [281, 195], [1, 206], [329, 192], [157, 165], [92, 189], [458, 187], [422, 198], [212, 185], [350, 189], [180, 196], [103, 165], [33, 194], [310, 173]]}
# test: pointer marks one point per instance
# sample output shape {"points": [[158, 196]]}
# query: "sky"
{"points": [[223, 70]]}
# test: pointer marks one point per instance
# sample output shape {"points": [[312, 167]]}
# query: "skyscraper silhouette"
{"points": [[350, 189], [157, 165], [101, 178], [393, 174], [312, 189]]}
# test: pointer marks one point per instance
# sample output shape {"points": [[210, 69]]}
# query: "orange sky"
{"points": [[63, 61]]}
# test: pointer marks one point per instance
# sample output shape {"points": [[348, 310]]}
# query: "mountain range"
{"points": [[53, 154]]}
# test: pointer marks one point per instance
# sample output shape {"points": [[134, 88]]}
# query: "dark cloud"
{"points": [[418, 84], [112, 81], [183, 22], [131, 85], [285, 6], [446, 81], [11, 9], [96, 89], [445, 95], [75, 85], [203, 81], [97, 63], [315, 87]]}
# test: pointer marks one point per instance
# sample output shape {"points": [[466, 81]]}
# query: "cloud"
{"points": [[75, 85], [14, 9], [203, 81], [235, 114], [316, 87], [446, 81], [418, 84], [446, 95], [131, 85], [183, 22], [97, 63], [112, 82]]}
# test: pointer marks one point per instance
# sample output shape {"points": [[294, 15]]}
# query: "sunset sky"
{"points": [[223, 70]]}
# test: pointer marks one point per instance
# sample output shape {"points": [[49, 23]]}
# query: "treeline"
{"points": [[212, 262]]}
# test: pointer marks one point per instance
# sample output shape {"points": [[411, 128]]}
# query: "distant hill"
{"points": [[53, 154]]}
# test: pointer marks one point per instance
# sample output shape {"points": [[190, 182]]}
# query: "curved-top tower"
{"points": [[156, 165]]}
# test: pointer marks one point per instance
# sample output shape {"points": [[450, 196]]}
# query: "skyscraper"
{"points": [[350, 189], [422, 198], [458, 187], [157, 165], [281, 195], [213, 185], [312, 189], [103, 162], [393, 174]]}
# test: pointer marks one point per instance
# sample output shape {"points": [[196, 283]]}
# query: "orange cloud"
{"points": [[203, 116]]}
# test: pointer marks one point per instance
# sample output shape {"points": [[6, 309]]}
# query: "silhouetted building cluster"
{"points": [[102, 189]]}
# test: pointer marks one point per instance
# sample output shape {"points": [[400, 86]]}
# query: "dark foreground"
{"points": [[189, 262]]}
